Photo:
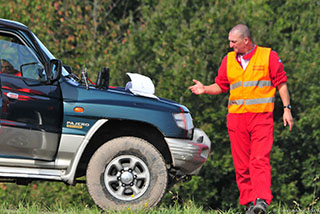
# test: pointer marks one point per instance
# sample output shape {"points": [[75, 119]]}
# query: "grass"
{"points": [[49, 197], [37, 209], [188, 208]]}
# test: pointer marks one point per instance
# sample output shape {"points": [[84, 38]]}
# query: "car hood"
{"points": [[73, 92]]}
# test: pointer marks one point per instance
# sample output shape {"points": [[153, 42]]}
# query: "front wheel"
{"points": [[127, 173]]}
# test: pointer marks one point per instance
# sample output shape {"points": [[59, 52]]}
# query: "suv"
{"points": [[130, 144]]}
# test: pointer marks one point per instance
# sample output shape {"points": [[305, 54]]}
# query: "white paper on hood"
{"points": [[140, 85]]}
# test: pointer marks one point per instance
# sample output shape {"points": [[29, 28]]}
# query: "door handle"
{"points": [[13, 95]]}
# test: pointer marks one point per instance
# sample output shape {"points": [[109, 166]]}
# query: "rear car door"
{"points": [[31, 109]]}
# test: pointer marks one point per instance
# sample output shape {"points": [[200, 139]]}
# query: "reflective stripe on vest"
{"points": [[252, 101], [259, 83], [259, 101], [236, 85], [235, 102]]}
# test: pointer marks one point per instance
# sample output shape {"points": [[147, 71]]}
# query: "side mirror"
{"points": [[55, 70], [68, 68], [33, 70]]}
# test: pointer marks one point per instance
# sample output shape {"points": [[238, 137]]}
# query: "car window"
{"points": [[18, 59]]}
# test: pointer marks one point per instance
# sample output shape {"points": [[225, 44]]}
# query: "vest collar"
{"points": [[248, 55]]}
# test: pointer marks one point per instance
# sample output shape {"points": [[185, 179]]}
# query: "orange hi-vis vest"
{"points": [[251, 90]]}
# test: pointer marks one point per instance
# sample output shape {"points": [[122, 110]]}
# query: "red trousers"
{"points": [[251, 137]]}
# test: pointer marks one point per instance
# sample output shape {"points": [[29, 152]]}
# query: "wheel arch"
{"points": [[119, 128]]}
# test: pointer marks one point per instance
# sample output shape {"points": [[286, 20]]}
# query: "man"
{"points": [[7, 67], [251, 73]]}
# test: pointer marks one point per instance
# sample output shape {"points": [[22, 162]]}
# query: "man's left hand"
{"points": [[287, 118]]}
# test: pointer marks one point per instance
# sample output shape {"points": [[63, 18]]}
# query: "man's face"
{"points": [[7, 68], [237, 43]]}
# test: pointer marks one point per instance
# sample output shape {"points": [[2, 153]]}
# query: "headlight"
{"points": [[184, 121]]}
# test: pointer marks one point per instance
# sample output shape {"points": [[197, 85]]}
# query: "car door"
{"points": [[31, 109]]}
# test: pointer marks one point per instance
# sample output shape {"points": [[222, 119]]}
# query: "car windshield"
{"points": [[49, 54]]}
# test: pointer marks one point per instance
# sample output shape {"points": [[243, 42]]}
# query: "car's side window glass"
{"points": [[18, 59]]}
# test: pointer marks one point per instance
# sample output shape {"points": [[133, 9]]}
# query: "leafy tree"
{"points": [[174, 42]]}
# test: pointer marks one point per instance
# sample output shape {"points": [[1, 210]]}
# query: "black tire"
{"points": [[127, 173]]}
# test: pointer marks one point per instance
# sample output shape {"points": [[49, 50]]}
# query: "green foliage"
{"points": [[174, 42]]}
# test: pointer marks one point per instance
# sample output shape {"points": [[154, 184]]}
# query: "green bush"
{"points": [[174, 42]]}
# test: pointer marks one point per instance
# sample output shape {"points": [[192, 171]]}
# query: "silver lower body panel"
{"points": [[189, 155]]}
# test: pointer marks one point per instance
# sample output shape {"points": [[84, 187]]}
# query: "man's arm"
{"points": [[284, 94], [199, 88]]}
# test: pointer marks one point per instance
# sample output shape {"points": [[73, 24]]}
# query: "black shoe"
{"points": [[249, 208], [260, 207]]}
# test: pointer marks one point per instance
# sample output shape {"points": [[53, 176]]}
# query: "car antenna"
{"points": [[84, 77]]}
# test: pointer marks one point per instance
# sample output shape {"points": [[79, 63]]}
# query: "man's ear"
{"points": [[246, 40]]}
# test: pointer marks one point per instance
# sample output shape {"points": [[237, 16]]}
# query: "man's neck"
{"points": [[249, 50]]}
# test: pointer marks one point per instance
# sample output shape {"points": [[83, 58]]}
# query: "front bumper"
{"points": [[189, 155]]}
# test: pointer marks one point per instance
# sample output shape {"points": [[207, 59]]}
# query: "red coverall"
{"points": [[251, 137]]}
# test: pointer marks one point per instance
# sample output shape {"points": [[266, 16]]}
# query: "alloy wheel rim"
{"points": [[127, 177]]}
